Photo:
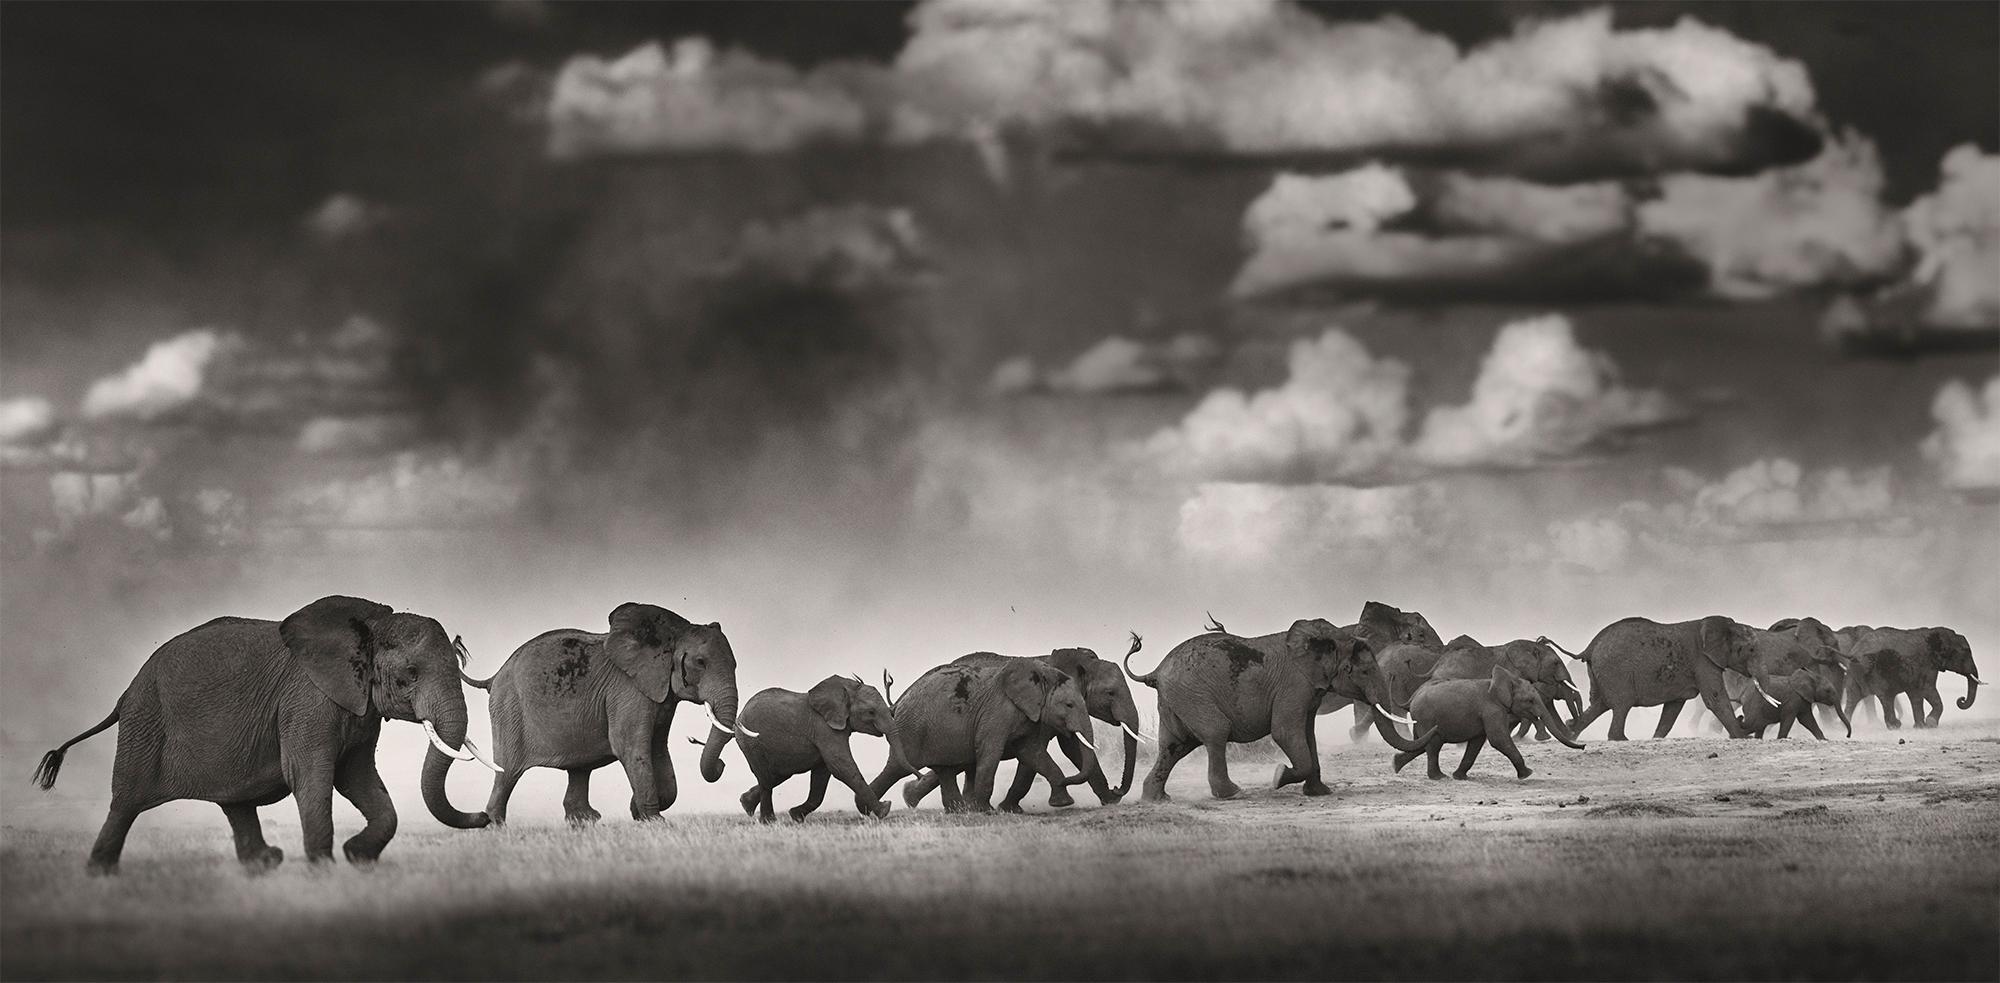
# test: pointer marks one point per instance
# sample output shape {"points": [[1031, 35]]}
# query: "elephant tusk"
{"points": [[739, 730], [1129, 729], [481, 758], [1572, 688], [697, 742], [1086, 742], [1760, 691], [431, 731], [1391, 716]]}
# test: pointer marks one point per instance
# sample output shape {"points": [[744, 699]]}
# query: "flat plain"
{"points": [[1877, 857]]}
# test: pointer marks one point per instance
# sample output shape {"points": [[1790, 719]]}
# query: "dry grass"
{"points": [[1870, 861]]}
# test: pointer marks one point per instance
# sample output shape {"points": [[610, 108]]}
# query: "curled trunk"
{"points": [[723, 708], [1395, 739], [1554, 722], [450, 725], [1971, 692]]}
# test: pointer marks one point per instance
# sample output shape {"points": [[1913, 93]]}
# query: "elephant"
{"points": [[1535, 661], [1217, 688], [244, 711], [578, 701], [1888, 661], [1109, 698], [1478, 710], [796, 733], [959, 717], [1640, 662], [1791, 699], [1383, 625]]}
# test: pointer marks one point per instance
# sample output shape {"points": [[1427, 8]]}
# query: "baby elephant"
{"points": [[1475, 711], [807, 732], [1787, 699]]}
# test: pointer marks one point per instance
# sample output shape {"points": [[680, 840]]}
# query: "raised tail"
{"points": [[1584, 656], [1148, 678], [51, 765], [1211, 624], [486, 683]]}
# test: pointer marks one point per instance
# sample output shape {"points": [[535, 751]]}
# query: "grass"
{"points": [[1392, 877]]}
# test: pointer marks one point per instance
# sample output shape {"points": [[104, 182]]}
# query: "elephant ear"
{"points": [[1718, 638], [641, 644], [331, 639], [1502, 685], [831, 699], [1315, 643], [1027, 687]]}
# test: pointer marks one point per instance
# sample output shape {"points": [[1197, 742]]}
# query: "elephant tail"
{"points": [[1212, 625], [1150, 678], [51, 765], [1583, 656], [486, 683]]}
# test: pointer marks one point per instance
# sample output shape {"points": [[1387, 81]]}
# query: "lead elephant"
{"points": [[1888, 661], [1532, 660], [1478, 710], [244, 711], [1217, 688], [1108, 698], [967, 718], [785, 733], [579, 700]]}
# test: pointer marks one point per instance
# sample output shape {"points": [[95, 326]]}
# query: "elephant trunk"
{"points": [[723, 708], [1554, 722], [1128, 721], [1971, 692], [1394, 738], [894, 735], [1842, 714], [450, 724]]}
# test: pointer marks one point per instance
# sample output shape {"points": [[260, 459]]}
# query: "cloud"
{"points": [[1822, 223], [1778, 492], [693, 98], [25, 420], [1564, 96], [1250, 523], [1339, 414], [1956, 232], [842, 247], [1113, 366], [1230, 78], [168, 378], [1539, 396], [1965, 447], [344, 435], [414, 491]]}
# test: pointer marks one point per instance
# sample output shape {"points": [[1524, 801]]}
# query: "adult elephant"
{"points": [[579, 700], [1384, 626], [1106, 696], [243, 711], [1218, 688], [959, 718], [1532, 661], [1888, 661], [1641, 662]]}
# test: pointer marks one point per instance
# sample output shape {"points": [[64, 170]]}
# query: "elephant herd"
{"points": [[243, 712]]}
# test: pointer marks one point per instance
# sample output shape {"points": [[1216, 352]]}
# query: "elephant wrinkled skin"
{"points": [[578, 701], [242, 712], [959, 718], [796, 733]]}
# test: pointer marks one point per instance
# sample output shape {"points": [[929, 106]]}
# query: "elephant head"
{"points": [[1382, 625], [1524, 700], [667, 656], [1107, 696], [1539, 664], [1046, 696], [849, 705], [1726, 644], [1950, 652], [1340, 661]]}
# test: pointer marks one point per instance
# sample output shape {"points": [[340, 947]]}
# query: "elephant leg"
{"points": [[257, 856], [1175, 744], [1812, 726], [1095, 777], [838, 762], [312, 789], [1364, 723], [979, 791], [576, 798], [1024, 778], [1472, 749], [1717, 702], [891, 774], [1597, 709], [764, 813], [1889, 718], [1405, 757], [665, 785], [1669, 712], [1936, 701], [1436, 745], [916, 788], [1219, 784], [1045, 765], [815, 794], [948, 791], [1505, 745], [110, 843], [748, 800], [632, 742], [359, 783], [1294, 737], [1617, 723]]}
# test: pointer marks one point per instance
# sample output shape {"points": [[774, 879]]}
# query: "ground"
{"points": [[1684, 858]]}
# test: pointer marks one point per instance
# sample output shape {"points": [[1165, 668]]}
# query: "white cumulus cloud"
{"points": [[1956, 231], [1965, 447], [25, 419], [167, 378], [1116, 364]]}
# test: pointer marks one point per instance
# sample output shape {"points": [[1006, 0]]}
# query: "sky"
{"points": [[886, 332]]}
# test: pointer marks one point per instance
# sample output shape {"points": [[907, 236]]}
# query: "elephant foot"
{"points": [[1458, 776], [360, 852], [1523, 772], [798, 813], [576, 817], [766, 818], [880, 810], [266, 860], [1151, 794], [1279, 776], [1109, 798], [101, 868], [1435, 775], [1013, 808], [1895, 725], [912, 794], [748, 801], [1317, 788], [644, 814], [1060, 797], [1228, 791], [979, 808]]}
